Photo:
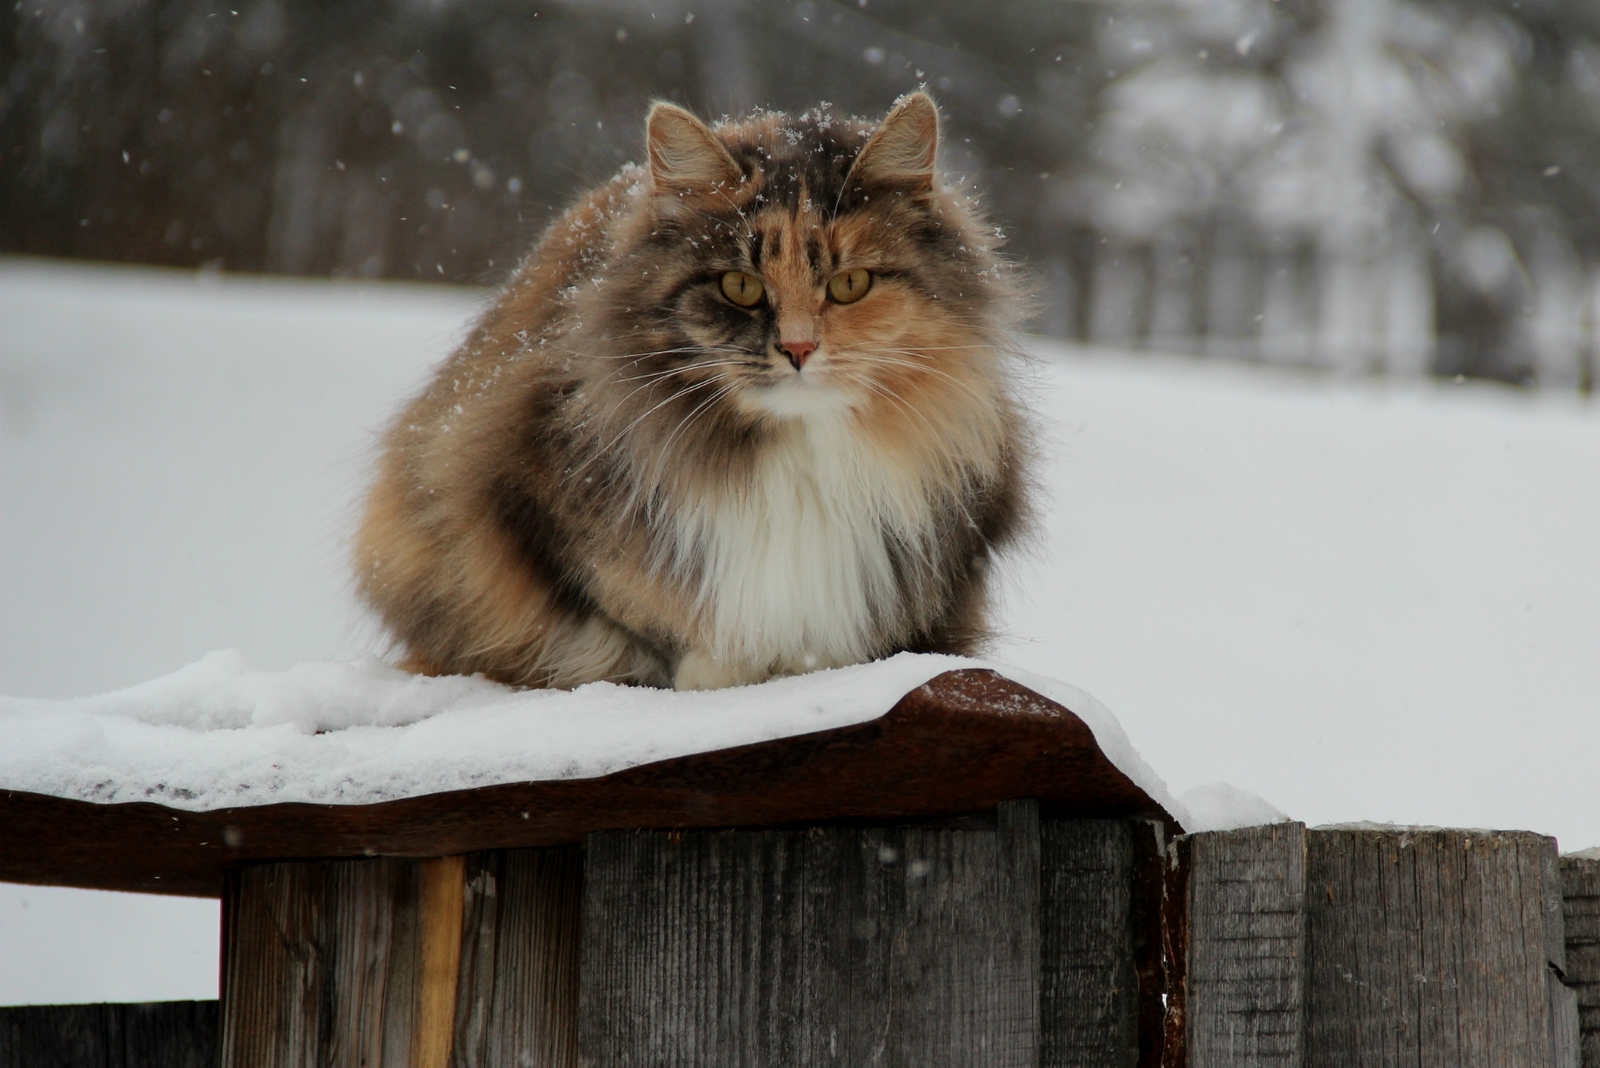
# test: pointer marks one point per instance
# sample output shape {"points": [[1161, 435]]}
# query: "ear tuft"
{"points": [[685, 156], [903, 148]]}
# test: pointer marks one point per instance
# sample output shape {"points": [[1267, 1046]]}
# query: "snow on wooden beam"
{"points": [[963, 742]]}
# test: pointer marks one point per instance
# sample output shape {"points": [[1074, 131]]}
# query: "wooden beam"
{"points": [[1580, 892], [909, 946], [965, 742], [1247, 947]]}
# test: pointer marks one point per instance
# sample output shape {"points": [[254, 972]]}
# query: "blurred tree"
{"points": [[433, 140], [1402, 185]]}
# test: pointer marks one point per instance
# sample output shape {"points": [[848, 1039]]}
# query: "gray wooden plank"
{"points": [[682, 949], [55, 1036], [1580, 893], [164, 1034], [1089, 1000], [172, 1034], [1430, 948], [273, 981], [517, 1000], [1562, 999], [367, 946], [828, 946], [1246, 950]]}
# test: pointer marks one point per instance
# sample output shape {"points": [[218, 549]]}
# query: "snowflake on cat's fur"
{"points": [[744, 411]]}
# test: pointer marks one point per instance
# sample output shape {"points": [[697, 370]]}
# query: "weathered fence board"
{"points": [[1247, 950], [1432, 948], [163, 1034], [1334, 948], [1089, 989], [833, 945], [517, 1002], [341, 962], [1580, 892], [995, 941]]}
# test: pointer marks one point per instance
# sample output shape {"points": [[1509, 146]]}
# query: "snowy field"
{"points": [[1360, 600]]}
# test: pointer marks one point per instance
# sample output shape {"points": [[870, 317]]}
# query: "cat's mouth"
{"points": [[800, 392]]}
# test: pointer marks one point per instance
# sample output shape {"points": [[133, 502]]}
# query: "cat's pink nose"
{"points": [[798, 351]]}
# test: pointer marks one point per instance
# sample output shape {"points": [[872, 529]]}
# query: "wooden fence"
{"points": [[1000, 940], [877, 901]]}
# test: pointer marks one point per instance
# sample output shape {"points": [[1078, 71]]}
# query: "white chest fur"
{"points": [[795, 569]]}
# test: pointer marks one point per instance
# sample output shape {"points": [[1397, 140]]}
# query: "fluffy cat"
{"points": [[743, 412]]}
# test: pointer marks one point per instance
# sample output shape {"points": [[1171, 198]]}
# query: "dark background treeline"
{"points": [[1360, 184]]}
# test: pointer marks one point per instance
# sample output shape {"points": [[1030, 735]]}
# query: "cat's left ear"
{"points": [[902, 150], [685, 156]]}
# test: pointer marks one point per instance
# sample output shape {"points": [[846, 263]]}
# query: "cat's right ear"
{"points": [[901, 152], [685, 156]]}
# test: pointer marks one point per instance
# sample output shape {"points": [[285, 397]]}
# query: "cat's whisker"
{"points": [[937, 372], [705, 405], [608, 446], [662, 375], [884, 391], [920, 349], [646, 354], [653, 375], [665, 451]]}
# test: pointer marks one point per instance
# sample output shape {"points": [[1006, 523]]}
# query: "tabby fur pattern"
{"points": [[625, 474]]}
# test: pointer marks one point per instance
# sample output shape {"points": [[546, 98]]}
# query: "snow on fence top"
{"points": [[220, 733]]}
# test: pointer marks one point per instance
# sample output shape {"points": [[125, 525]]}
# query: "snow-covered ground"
{"points": [[1360, 600]]}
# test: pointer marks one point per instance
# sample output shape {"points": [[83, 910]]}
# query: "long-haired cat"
{"points": [[744, 412]]}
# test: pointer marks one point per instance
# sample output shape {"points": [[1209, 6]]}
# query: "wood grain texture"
{"points": [[830, 946], [1431, 948], [440, 903], [1580, 892], [163, 1034], [1247, 947], [1089, 1003], [965, 742], [1162, 923], [517, 1002], [327, 963]]}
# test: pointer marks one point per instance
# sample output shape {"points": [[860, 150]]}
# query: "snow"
{"points": [[1359, 599], [63, 946], [1362, 600], [1219, 806], [179, 457], [221, 733]]}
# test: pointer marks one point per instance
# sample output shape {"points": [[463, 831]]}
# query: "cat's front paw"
{"points": [[699, 670]]}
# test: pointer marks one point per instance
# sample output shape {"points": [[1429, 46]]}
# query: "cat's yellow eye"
{"points": [[847, 287], [743, 289]]}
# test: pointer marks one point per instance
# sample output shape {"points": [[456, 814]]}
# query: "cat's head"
{"points": [[793, 266]]}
